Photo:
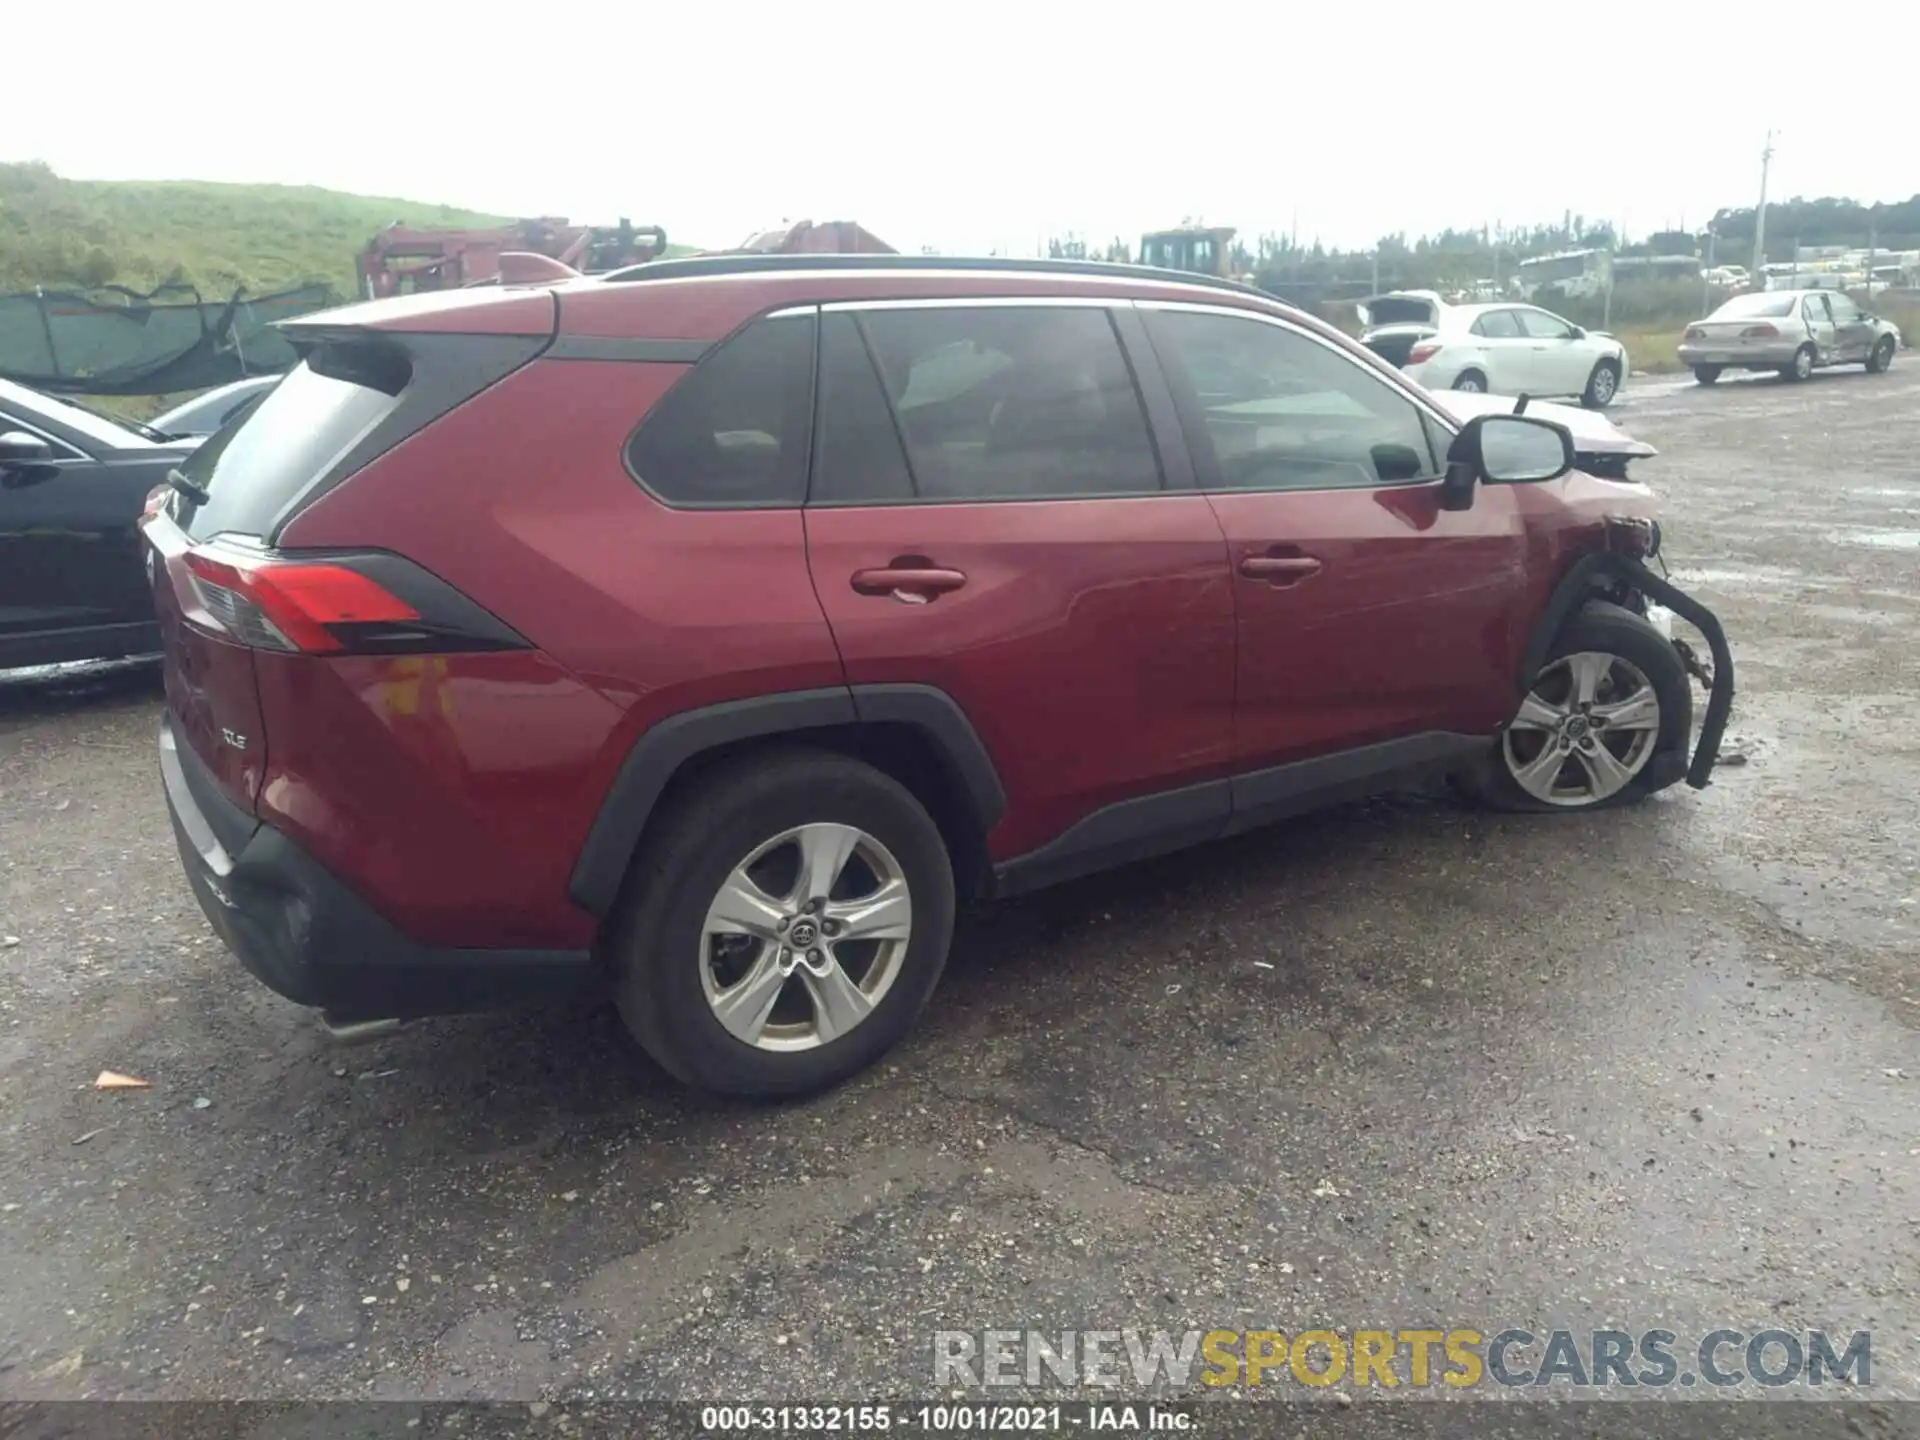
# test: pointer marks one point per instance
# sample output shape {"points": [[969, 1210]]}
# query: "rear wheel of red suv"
{"points": [[784, 924], [1611, 699]]}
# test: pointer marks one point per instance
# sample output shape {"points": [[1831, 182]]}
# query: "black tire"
{"points": [[1606, 628], [658, 949], [1806, 355], [1881, 356], [1706, 374], [1478, 385], [1600, 394]]}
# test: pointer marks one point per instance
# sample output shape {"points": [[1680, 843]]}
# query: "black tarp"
{"points": [[116, 341]]}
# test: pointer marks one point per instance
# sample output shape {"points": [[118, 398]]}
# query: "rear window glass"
{"points": [[251, 470], [1742, 307]]}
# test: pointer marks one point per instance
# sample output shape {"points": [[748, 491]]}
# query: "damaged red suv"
{"points": [[704, 632]]}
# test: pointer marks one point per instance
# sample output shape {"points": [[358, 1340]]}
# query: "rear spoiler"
{"points": [[528, 314]]}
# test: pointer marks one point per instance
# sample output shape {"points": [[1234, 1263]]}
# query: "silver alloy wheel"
{"points": [[1803, 362], [1469, 385], [1605, 382], [1585, 730], [806, 936]]}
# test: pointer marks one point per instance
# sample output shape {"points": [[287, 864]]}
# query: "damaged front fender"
{"points": [[1578, 586]]}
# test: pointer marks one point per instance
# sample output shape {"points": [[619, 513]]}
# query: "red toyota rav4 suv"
{"points": [[707, 630]]}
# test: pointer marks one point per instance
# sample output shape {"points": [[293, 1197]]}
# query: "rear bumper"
{"points": [[305, 934], [1757, 358]]}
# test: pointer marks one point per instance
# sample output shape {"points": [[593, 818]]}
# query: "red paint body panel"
{"points": [[700, 310], [1414, 621], [1091, 645], [447, 790], [211, 690], [523, 504]]}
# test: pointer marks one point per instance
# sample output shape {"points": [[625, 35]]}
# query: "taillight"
{"points": [[363, 603], [292, 605], [1760, 332], [1423, 352]]}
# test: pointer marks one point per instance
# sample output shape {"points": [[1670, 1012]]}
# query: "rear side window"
{"points": [[733, 433], [1007, 403], [253, 469], [1498, 325], [1541, 326], [858, 459]]}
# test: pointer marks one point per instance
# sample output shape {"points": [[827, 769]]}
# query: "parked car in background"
{"points": [[1794, 332], [1503, 348], [206, 412], [1599, 446], [704, 632], [1729, 277], [72, 484]]}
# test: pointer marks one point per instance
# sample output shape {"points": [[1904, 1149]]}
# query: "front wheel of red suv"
{"points": [[784, 925], [1611, 701]]}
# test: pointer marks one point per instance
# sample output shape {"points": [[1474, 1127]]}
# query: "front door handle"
{"points": [[909, 584], [1279, 569]]}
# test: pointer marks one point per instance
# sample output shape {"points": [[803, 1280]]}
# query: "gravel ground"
{"points": [[1401, 1064]]}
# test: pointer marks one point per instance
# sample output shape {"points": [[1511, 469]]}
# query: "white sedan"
{"points": [[1505, 348]]}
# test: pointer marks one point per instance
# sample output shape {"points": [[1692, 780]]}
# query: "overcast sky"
{"points": [[986, 124]]}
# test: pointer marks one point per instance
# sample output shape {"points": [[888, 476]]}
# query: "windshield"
{"points": [[94, 426], [1743, 307]]}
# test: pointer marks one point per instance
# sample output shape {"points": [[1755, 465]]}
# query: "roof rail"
{"points": [[700, 266]]}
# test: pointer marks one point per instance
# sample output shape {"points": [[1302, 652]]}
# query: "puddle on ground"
{"points": [[1766, 577], [1878, 539]]}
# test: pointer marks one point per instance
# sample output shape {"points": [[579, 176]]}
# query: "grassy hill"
{"points": [[139, 233]]}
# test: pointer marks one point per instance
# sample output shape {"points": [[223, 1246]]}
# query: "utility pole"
{"points": [[1873, 243], [1706, 285], [1760, 216]]}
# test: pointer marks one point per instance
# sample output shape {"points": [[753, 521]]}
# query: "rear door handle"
{"points": [[910, 585], [1279, 569]]}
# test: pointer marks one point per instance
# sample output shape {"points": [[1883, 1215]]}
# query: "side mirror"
{"points": [[17, 447], [1504, 450], [1578, 334]]}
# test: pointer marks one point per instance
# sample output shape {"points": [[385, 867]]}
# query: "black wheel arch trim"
{"points": [[659, 753], [1576, 588]]}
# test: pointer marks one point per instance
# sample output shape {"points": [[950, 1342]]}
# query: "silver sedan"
{"points": [[1792, 331]]}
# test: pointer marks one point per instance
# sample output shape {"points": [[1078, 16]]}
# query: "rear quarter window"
{"points": [[733, 432]]}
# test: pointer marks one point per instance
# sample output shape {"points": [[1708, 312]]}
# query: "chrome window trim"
{"points": [[62, 449], [979, 302]]}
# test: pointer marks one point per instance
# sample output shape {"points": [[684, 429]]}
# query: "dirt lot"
{"points": [[1397, 1065]]}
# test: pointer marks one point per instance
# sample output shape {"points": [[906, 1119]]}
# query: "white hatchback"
{"points": [[1506, 348]]}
